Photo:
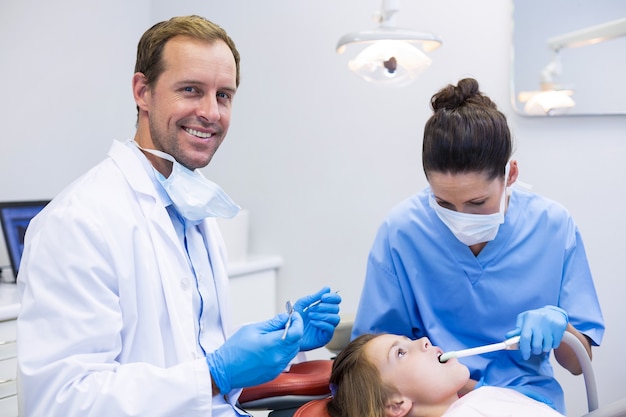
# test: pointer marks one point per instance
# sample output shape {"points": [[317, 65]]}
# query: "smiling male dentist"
{"points": [[123, 281]]}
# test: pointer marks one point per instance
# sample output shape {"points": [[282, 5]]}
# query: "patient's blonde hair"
{"points": [[358, 390]]}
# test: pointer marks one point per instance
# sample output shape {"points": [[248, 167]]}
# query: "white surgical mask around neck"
{"points": [[193, 195]]}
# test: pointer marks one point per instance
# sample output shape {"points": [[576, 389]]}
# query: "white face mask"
{"points": [[472, 228], [193, 195]]}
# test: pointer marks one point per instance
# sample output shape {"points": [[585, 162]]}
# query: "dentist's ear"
{"points": [[397, 406], [141, 90]]}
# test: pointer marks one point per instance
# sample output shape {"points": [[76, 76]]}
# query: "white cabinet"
{"points": [[8, 367], [253, 289]]}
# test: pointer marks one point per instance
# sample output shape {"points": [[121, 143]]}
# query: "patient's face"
{"points": [[413, 367]]}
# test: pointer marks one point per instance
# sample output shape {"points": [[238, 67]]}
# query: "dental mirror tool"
{"points": [[508, 344], [289, 308]]}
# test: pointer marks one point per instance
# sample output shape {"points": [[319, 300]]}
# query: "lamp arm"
{"points": [[552, 70], [590, 35], [388, 12]]}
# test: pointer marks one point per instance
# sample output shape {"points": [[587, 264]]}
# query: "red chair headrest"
{"points": [[315, 408], [305, 378]]}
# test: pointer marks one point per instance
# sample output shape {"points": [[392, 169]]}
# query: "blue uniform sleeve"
{"points": [[383, 306], [578, 293]]}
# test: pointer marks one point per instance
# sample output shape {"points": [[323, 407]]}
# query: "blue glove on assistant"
{"points": [[320, 313], [256, 353], [540, 330]]}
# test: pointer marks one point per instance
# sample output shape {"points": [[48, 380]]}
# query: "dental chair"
{"points": [[317, 408], [302, 383]]}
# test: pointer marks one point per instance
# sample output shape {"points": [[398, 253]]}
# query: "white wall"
{"points": [[66, 70], [315, 154]]}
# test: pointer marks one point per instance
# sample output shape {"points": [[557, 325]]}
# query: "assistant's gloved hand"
{"points": [[540, 330], [320, 320], [256, 353]]}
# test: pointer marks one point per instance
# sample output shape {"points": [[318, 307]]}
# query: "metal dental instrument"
{"points": [[311, 305], [289, 308], [315, 303], [508, 344]]}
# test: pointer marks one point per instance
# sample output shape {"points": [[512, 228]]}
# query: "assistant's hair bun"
{"points": [[466, 92]]}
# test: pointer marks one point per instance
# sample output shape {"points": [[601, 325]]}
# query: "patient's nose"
{"points": [[424, 343]]}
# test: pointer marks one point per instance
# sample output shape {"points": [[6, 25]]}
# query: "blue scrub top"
{"points": [[422, 281]]}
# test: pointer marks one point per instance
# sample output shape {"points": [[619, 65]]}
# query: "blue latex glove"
{"points": [[256, 353], [320, 320], [540, 330]]}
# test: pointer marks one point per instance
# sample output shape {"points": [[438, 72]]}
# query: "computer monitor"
{"points": [[15, 217]]}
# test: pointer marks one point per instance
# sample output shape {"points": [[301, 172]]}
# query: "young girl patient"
{"points": [[387, 375]]}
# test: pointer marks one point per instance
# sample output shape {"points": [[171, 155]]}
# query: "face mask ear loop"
{"points": [[154, 152], [507, 190]]}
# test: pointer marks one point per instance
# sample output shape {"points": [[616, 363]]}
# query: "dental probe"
{"points": [[508, 344], [315, 303], [290, 309]]}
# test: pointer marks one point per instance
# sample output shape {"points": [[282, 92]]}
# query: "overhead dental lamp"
{"points": [[388, 55], [553, 99]]}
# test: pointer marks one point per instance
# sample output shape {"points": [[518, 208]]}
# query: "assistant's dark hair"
{"points": [[358, 390], [466, 133]]}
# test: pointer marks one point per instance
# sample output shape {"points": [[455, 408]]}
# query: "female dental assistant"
{"points": [[471, 260]]}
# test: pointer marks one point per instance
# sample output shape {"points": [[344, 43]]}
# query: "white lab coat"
{"points": [[106, 326]]}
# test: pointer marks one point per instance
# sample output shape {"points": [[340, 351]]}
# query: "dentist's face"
{"points": [[413, 367], [189, 105]]}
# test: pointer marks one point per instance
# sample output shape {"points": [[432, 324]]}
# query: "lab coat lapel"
{"points": [[177, 280], [172, 261], [215, 246]]}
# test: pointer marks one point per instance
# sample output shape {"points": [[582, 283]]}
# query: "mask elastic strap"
{"points": [[507, 189], [154, 152]]}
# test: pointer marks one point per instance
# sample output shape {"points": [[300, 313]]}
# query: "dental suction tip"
{"points": [[446, 357]]}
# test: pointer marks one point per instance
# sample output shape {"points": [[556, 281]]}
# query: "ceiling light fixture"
{"points": [[389, 55]]}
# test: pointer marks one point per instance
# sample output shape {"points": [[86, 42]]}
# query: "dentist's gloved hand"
{"points": [[256, 353], [540, 330], [319, 320]]}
